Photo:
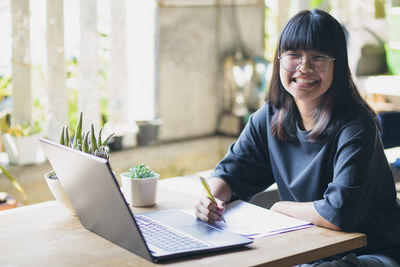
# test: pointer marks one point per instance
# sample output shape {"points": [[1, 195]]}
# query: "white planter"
{"points": [[23, 150], [139, 192], [59, 193]]}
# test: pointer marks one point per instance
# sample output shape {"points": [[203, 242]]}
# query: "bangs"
{"points": [[308, 32]]}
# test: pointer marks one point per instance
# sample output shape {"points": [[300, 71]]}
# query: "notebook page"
{"points": [[250, 220]]}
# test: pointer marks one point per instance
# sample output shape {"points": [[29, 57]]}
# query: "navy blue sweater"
{"points": [[347, 177]]}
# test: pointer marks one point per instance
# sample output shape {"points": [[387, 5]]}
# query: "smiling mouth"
{"points": [[305, 81]]}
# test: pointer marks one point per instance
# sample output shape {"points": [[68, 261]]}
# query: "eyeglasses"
{"points": [[292, 62]]}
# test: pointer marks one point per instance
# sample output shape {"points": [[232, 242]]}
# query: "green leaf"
{"points": [[85, 145], [15, 184], [66, 138], [105, 143], [99, 139], [62, 142], [78, 131], [93, 142]]}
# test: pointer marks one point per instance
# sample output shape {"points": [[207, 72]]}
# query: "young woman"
{"points": [[319, 141]]}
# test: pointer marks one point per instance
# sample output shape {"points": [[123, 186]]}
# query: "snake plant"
{"points": [[86, 141]]}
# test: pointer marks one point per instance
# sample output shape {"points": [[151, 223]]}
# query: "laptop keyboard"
{"points": [[161, 236]]}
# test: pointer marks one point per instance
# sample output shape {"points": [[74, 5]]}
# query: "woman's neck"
{"points": [[307, 113]]}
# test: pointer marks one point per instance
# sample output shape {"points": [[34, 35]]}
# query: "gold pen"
{"points": [[208, 191]]}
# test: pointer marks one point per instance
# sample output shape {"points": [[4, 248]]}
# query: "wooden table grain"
{"points": [[45, 234]]}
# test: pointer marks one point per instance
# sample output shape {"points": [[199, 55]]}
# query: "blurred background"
{"points": [[176, 80]]}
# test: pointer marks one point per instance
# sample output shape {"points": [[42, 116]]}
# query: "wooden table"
{"points": [[45, 234]]}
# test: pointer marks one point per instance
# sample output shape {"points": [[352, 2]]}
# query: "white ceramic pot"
{"points": [[139, 192], [23, 150], [59, 193]]}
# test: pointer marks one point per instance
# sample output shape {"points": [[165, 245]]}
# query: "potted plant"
{"points": [[7, 201], [139, 185], [21, 142], [85, 142], [58, 192], [148, 131], [125, 135]]}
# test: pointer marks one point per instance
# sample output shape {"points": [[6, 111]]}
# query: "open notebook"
{"points": [[254, 222]]}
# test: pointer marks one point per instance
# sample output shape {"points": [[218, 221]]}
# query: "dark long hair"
{"points": [[319, 31]]}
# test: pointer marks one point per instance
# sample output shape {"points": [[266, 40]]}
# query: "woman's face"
{"points": [[310, 80]]}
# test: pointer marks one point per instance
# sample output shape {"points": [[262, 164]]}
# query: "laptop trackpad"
{"points": [[194, 227], [211, 235], [173, 218]]}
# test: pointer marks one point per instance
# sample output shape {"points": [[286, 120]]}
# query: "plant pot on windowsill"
{"points": [[140, 190], [148, 131], [23, 150], [125, 135], [115, 143]]}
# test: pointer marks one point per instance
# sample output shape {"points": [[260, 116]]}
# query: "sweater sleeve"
{"points": [[246, 166], [358, 165]]}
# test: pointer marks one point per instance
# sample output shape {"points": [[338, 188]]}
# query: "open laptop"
{"points": [[95, 194]]}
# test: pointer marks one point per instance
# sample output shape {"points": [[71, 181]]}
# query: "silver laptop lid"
{"points": [[102, 209], [86, 179]]}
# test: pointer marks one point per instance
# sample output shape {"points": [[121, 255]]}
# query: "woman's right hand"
{"points": [[207, 211]]}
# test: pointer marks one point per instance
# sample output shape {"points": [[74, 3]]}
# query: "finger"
{"points": [[218, 209], [201, 210], [208, 204], [201, 216], [207, 211], [210, 213], [220, 206], [205, 214], [214, 215]]}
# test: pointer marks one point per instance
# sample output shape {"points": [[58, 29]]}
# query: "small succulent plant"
{"points": [[141, 171], [86, 142], [52, 175]]}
